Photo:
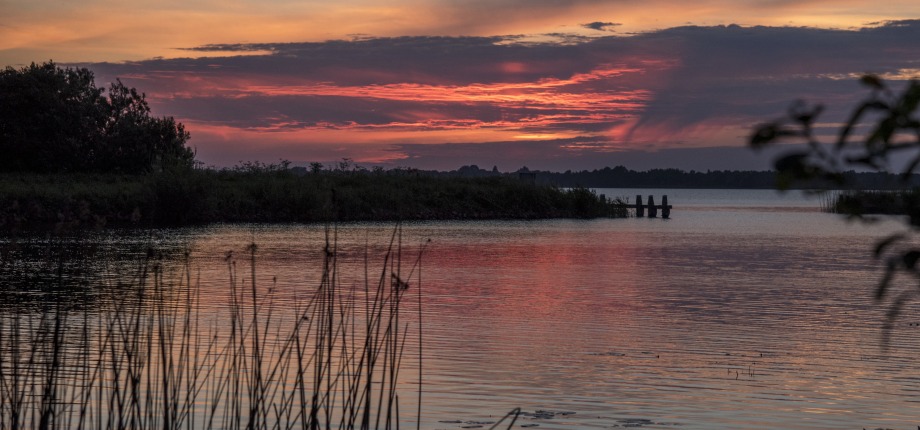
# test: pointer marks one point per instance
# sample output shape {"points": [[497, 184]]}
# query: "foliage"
{"points": [[882, 130], [876, 202], [257, 192], [55, 119]]}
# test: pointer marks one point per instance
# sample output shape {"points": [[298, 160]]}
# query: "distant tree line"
{"points": [[55, 119], [621, 177]]}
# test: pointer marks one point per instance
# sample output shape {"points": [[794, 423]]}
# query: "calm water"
{"points": [[747, 309]]}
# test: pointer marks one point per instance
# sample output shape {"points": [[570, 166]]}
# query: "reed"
{"points": [[64, 201], [155, 360], [873, 202]]}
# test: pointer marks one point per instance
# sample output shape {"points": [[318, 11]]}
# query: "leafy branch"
{"points": [[881, 130]]}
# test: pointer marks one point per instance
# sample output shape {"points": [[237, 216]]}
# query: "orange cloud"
{"points": [[107, 30]]}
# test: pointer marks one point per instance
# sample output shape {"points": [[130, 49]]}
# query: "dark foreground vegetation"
{"points": [[259, 193], [142, 352], [55, 119], [883, 128]]}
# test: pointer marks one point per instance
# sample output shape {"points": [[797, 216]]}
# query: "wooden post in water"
{"points": [[640, 210], [665, 209], [652, 209]]}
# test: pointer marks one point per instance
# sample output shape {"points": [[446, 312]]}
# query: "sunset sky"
{"points": [[550, 84]]}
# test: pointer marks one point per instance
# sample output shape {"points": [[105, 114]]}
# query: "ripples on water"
{"points": [[745, 310]]}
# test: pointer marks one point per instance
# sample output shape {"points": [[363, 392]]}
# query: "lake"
{"points": [[747, 309]]}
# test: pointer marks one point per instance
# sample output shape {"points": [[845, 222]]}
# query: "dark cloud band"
{"points": [[703, 86]]}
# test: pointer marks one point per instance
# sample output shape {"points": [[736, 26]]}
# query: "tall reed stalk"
{"points": [[156, 360]]}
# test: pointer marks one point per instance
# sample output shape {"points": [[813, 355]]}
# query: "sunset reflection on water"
{"points": [[722, 317]]}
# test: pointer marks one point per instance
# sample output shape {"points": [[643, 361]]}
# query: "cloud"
{"points": [[579, 154], [743, 73], [94, 30], [582, 99], [601, 26]]}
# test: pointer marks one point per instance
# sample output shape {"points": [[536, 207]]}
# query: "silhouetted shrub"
{"points": [[55, 119]]}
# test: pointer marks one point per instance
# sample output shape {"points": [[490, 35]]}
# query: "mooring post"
{"points": [[665, 209], [652, 209], [640, 210]]}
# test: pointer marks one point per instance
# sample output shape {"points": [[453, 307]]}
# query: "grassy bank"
{"points": [[279, 195]]}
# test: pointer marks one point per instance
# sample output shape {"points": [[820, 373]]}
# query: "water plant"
{"points": [[148, 357], [873, 202], [190, 197]]}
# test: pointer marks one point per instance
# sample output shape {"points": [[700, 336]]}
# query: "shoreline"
{"points": [[43, 202]]}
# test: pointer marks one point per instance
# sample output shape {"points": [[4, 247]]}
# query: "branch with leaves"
{"points": [[882, 129]]}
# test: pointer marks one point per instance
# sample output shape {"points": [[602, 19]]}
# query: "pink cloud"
{"points": [[374, 99]]}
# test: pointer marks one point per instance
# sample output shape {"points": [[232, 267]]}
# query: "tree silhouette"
{"points": [[55, 119]]}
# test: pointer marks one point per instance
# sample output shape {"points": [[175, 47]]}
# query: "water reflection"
{"points": [[725, 316], [159, 349]]}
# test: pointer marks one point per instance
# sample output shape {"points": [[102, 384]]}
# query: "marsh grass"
{"points": [[154, 360], [874, 202], [266, 195]]}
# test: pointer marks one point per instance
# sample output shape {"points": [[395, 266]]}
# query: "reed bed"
{"points": [[195, 197], [153, 360], [873, 202]]}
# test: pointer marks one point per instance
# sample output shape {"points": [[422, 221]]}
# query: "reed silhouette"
{"points": [[155, 359], [34, 201]]}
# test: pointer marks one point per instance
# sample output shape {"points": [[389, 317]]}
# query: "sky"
{"points": [[438, 84]]}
